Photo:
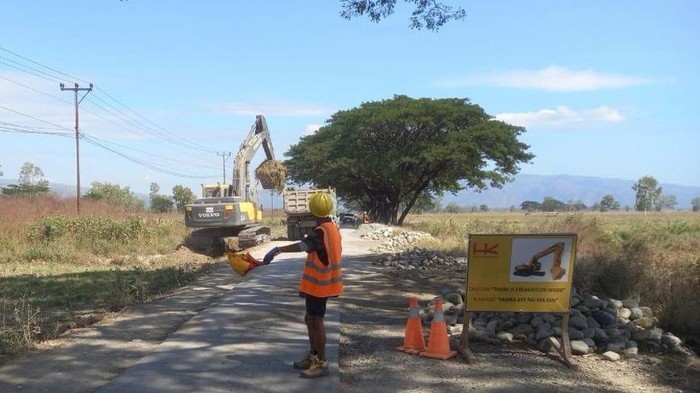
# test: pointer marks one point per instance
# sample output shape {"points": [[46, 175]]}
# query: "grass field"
{"points": [[59, 270]]}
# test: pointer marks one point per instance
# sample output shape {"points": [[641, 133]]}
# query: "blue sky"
{"points": [[606, 89]]}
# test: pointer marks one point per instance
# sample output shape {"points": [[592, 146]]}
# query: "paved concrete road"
{"points": [[219, 334], [247, 341]]}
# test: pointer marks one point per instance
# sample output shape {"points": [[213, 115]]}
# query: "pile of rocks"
{"points": [[612, 327], [390, 242], [420, 259]]}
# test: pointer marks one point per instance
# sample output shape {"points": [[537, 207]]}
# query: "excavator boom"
{"points": [[227, 216]]}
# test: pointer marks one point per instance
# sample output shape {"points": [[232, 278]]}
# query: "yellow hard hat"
{"points": [[320, 204]]}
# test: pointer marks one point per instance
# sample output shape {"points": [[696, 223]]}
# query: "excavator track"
{"points": [[217, 241]]}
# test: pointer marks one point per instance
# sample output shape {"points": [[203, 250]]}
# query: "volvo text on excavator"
{"points": [[228, 216]]}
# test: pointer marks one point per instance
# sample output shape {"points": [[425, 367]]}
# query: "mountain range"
{"points": [[565, 188]]}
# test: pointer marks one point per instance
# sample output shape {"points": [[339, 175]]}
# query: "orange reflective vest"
{"points": [[320, 280]]}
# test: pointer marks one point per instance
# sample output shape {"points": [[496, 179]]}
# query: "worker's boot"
{"points": [[318, 368], [304, 363]]}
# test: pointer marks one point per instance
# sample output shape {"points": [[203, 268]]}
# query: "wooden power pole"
{"points": [[76, 89]]}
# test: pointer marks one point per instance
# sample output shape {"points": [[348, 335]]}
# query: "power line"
{"points": [[36, 72], [41, 65], [143, 163], [17, 128], [35, 118], [161, 157], [136, 124], [165, 134], [35, 90], [7, 124], [129, 120], [156, 125], [26, 131]]}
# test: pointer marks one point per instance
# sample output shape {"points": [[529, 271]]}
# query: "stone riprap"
{"points": [[614, 328]]}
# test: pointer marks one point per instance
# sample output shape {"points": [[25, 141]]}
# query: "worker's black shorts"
{"points": [[315, 306]]}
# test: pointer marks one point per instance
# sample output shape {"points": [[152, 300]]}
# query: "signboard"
{"points": [[530, 273]]}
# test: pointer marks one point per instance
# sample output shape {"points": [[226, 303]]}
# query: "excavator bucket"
{"points": [[557, 272]]}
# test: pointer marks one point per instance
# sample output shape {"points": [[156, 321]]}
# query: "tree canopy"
{"points": [[182, 196], [115, 195], [431, 15], [159, 203], [609, 203], [31, 182], [385, 155], [648, 194]]}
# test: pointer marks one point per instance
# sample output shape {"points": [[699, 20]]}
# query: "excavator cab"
{"points": [[217, 190]]}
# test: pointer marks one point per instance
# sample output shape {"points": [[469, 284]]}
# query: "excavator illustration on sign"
{"points": [[228, 216], [534, 267]]}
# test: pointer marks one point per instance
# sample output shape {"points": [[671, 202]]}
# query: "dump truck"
{"points": [[228, 216], [300, 221]]}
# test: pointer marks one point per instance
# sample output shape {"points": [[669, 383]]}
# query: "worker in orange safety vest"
{"points": [[321, 279]]}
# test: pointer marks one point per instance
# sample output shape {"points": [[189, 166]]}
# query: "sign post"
{"points": [[520, 273]]}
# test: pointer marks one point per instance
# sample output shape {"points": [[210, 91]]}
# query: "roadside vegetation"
{"points": [[654, 257], [59, 270]]}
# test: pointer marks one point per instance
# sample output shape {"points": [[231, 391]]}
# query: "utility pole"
{"points": [[76, 89], [224, 156]]}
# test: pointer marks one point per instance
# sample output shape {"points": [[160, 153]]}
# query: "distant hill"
{"points": [[586, 189]]}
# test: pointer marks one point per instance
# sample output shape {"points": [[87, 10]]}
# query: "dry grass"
{"points": [[654, 256], [59, 270]]}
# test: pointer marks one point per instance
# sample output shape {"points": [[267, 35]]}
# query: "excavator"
{"points": [[534, 267], [228, 216]]}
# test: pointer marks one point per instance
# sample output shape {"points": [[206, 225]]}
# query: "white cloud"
{"points": [[312, 128], [269, 108], [562, 116], [552, 78]]}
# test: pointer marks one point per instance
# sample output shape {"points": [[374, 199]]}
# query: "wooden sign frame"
{"points": [[563, 348]]}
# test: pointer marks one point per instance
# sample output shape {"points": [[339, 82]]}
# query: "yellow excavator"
{"points": [[534, 267], [228, 216]]}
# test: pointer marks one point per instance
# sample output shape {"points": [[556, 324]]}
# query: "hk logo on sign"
{"points": [[485, 249]]}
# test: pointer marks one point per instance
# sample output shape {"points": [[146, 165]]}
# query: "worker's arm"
{"points": [[310, 243]]}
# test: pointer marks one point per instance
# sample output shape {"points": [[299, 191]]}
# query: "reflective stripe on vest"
{"points": [[320, 280]]}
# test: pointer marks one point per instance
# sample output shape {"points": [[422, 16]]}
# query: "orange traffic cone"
{"points": [[413, 341], [438, 342]]}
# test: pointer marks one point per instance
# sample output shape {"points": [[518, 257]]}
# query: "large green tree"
{"points": [[531, 206], [608, 202], [551, 204], [115, 195], [426, 14], [648, 194], [182, 196], [385, 155], [31, 182]]}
